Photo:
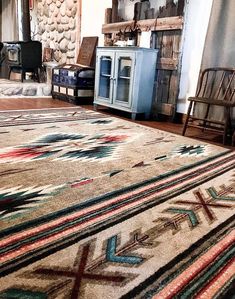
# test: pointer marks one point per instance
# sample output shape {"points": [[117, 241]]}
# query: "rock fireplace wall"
{"points": [[57, 25]]}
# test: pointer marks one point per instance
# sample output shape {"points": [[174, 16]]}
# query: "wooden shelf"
{"points": [[169, 23]]}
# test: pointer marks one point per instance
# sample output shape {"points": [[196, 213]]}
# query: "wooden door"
{"points": [[168, 72]]}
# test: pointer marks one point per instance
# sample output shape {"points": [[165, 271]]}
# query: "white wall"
{"points": [[93, 12], [196, 23]]}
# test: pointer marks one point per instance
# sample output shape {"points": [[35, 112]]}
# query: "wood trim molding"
{"points": [[78, 28], [169, 23]]}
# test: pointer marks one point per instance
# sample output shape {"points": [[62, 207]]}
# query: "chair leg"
{"points": [[187, 117], [206, 115]]}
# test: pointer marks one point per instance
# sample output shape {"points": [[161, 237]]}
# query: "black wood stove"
{"points": [[24, 56]]}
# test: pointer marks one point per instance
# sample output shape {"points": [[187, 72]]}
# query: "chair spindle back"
{"points": [[217, 84]]}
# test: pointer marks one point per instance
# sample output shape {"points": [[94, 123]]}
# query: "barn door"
{"points": [[167, 79]]}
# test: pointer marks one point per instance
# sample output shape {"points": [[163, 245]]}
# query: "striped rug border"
{"points": [[154, 284]]}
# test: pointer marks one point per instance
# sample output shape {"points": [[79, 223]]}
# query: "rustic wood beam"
{"points": [[161, 24], [114, 11], [117, 27], [180, 9], [108, 16], [167, 64]]}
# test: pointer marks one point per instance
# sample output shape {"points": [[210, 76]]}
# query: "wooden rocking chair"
{"points": [[216, 88]]}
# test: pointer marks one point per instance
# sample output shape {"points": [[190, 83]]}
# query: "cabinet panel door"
{"points": [[104, 76], [123, 79]]}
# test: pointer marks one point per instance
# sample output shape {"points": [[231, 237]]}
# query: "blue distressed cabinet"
{"points": [[124, 78]]}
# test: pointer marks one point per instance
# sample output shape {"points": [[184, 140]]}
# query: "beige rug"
{"points": [[92, 206]]}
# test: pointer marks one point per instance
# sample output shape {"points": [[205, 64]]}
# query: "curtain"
{"points": [[220, 41], [9, 22], [219, 50]]}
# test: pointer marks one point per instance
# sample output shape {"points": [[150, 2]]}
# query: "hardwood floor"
{"points": [[33, 103], [176, 128]]}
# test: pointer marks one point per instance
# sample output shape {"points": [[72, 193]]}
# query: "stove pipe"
{"points": [[25, 19]]}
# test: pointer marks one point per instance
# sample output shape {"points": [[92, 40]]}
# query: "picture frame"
{"points": [[87, 51]]}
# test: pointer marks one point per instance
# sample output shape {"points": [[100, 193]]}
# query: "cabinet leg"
{"points": [[95, 107], [133, 116]]}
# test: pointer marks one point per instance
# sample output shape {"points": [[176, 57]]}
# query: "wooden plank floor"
{"points": [[40, 103], [33, 103]]}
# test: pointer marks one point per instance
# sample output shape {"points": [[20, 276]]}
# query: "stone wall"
{"points": [[57, 23]]}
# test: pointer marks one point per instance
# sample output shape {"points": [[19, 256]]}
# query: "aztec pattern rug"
{"points": [[39, 116], [92, 206]]}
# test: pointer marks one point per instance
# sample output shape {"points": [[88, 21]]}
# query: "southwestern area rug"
{"points": [[92, 206]]}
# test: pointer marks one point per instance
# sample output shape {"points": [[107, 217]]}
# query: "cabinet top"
{"points": [[128, 48]]}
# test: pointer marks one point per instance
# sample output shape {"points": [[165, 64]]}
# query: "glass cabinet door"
{"points": [[105, 71], [123, 79]]}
